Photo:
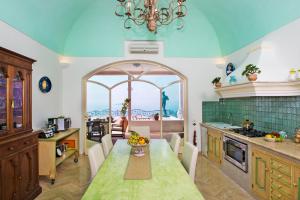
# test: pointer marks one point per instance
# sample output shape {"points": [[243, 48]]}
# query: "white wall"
{"points": [[199, 72], [65, 96], [275, 54], [43, 105]]}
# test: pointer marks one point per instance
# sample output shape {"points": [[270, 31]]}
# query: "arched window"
{"points": [[155, 93]]}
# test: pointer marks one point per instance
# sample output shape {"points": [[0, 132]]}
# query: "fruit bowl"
{"points": [[269, 139], [273, 137], [138, 143]]}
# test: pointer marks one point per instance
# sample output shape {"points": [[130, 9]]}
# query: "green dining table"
{"points": [[169, 179]]}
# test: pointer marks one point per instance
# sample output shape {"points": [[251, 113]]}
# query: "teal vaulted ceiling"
{"points": [[89, 28]]}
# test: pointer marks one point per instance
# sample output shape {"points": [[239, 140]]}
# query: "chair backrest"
{"points": [[175, 143], [96, 158], [141, 130], [189, 159], [107, 144]]}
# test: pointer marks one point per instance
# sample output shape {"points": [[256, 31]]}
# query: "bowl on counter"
{"points": [[269, 139]]}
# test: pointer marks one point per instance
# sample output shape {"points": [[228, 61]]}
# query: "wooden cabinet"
{"points": [[296, 182], [281, 179], [18, 144], [19, 171], [28, 171], [9, 177], [260, 174], [215, 145], [274, 177], [15, 93]]}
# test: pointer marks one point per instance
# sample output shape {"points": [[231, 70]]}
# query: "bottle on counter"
{"points": [[297, 135], [283, 134]]}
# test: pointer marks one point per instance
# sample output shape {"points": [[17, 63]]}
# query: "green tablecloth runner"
{"points": [[169, 180]]}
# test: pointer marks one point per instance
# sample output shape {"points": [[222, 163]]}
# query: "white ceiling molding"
{"points": [[260, 89]]}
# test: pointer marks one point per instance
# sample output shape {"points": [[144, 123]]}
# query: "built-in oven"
{"points": [[236, 152]]}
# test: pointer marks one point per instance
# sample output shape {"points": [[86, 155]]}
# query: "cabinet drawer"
{"points": [[29, 141], [281, 167], [15, 146], [281, 190], [9, 148], [281, 178], [276, 195]]}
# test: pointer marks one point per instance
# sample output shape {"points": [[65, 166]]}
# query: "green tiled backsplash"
{"points": [[267, 113]]}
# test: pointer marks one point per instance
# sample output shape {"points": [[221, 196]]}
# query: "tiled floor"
{"points": [[214, 185], [72, 180]]}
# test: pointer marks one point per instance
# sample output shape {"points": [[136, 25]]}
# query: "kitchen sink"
{"points": [[221, 125]]}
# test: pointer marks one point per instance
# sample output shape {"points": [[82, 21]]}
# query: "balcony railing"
{"points": [[135, 113]]}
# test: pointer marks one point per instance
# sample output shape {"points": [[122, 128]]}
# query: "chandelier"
{"points": [[148, 11]]}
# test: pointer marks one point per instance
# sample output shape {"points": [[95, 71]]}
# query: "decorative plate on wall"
{"points": [[45, 84], [230, 68]]}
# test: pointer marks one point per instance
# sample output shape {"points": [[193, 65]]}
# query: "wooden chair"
{"points": [[107, 144], [119, 128], [142, 130], [175, 143], [96, 158], [189, 159], [96, 129]]}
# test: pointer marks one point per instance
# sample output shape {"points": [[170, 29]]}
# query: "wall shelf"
{"points": [[252, 89]]}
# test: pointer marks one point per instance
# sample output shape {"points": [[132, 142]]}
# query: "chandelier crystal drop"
{"points": [[152, 13]]}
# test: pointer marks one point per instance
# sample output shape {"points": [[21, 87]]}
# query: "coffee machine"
{"points": [[52, 124], [59, 124]]}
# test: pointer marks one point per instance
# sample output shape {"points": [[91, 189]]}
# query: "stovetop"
{"points": [[249, 133]]}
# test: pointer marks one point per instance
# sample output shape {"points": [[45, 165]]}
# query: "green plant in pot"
{"points": [[217, 82], [251, 72], [124, 108]]}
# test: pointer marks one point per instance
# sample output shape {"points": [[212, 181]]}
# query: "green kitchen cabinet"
{"points": [[260, 174], [215, 145], [296, 182]]}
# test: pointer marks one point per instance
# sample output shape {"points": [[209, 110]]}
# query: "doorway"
{"points": [[153, 89]]}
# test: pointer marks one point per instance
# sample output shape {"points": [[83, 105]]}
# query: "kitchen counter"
{"points": [[286, 148]]}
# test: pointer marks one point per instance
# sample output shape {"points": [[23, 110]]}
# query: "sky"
{"points": [[144, 95]]}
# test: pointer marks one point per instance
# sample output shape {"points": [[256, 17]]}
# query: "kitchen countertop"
{"points": [[287, 147]]}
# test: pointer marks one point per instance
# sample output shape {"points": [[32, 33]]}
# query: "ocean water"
{"points": [[145, 98]]}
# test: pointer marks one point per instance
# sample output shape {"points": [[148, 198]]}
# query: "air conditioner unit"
{"points": [[144, 48]]}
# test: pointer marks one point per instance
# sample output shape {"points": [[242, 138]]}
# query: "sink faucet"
{"points": [[230, 118]]}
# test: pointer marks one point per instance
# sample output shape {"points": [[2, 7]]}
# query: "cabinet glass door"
{"points": [[3, 102], [17, 103]]}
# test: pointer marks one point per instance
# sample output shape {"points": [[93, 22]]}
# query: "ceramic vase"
{"points": [[218, 85], [252, 77]]}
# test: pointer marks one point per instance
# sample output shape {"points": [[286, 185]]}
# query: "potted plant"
{"points": [[156, 117], [124, 121], [124, 108], [251, 72], [217, 82]]}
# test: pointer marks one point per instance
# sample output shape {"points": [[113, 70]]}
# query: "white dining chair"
{"points": [[107, 144], [141, 130], [189, 159], [96, 158], [175, 143]]}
